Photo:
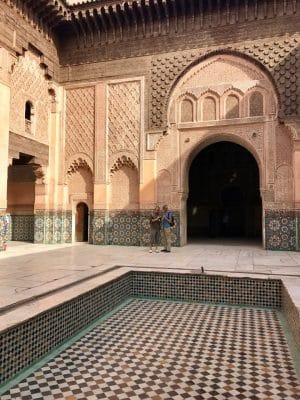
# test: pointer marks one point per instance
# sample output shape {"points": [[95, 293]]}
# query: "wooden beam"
{"points": [[110, 16], [82, 27], [142, 12], [75, 29], [183, 11], [150, 16], [103, 22], [118, 14], [126, 18], [89, 23], [97, 24], [158, 14]]}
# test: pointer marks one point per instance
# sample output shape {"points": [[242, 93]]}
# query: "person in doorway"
{"points": [[155, 224], [167, 223]]}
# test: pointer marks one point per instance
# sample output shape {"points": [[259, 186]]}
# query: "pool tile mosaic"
{"points": [[23, 344], [175, 351], [210, 288]]}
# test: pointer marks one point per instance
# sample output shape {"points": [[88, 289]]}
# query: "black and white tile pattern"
{"points": [[169, 350]]}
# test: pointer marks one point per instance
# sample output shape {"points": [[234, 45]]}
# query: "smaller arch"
{"points": [[82, 222], [121, 158], [124, 185], [28, 110], [186, 110], [80, 160], [28, 116], [209, 108], [256, 104], [232, 106], [121, 162]]}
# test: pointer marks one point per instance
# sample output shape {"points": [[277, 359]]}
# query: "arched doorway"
{"points": [[21, 186], [224, 196], [82, 223]]}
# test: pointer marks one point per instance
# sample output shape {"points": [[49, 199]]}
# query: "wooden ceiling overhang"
{"points": [[94, 19], [48, 13]]}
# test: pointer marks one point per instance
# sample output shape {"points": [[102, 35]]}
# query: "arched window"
{"points": [[186, 111], [232, 107], [256, 104], [209, 109], [28, 117], [28, 110]]}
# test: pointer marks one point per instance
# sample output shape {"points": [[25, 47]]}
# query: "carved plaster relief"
{"points": [[80, 123], [283, 191], [224, 83], [124, 120], [28, 83], [279, 56]]}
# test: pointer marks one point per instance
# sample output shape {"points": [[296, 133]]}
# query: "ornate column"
{"points": [[6, 63]]}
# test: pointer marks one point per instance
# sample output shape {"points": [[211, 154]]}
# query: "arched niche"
{"points": [[186, 110], [221, 73], [124, 185], [256, 104]]}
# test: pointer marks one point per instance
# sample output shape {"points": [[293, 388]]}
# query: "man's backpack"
{"points": [[172, 223]]}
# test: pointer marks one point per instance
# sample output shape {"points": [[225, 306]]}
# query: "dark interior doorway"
{"points": [[224, 197], [82, 223], [21, 198]]}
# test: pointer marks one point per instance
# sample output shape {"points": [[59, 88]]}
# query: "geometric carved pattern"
{"points": [[124, 118], [278, 56], [121, 162], [28, 83], [80, 117], [76, 164]]}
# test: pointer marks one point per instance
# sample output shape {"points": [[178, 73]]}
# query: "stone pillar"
{"points": [[98, 229], [147, 186], [5, 69]]}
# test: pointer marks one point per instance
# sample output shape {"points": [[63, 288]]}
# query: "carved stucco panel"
{"points": [[284, 192], [284, 146], [124, 120], [279, 56], [28, 83], [80, 122]]}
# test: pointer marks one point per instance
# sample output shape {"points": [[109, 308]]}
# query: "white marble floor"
{"points": [[28, 270]]}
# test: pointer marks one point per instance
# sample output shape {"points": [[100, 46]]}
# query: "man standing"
{"points": [[167, 222], [155, 223]]}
